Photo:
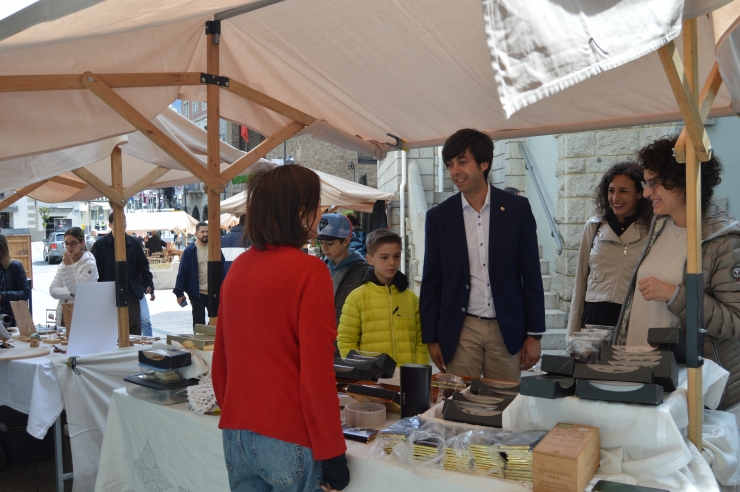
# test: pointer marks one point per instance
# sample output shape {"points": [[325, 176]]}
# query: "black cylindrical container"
{"points": [[416, 389]]}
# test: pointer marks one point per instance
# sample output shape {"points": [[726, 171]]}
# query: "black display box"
{"points": [[606, 372], [662, 362], [561, 365], [490, 388], [355, 369], [383, 361], [165, 359], [673, 339], [548, 386], [646, 394], [461, 409], [375, 392]]}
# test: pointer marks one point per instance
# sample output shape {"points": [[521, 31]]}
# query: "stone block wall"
{"points": [[582, 160]]}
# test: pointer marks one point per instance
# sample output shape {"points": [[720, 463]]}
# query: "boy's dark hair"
{"points": [[479, 143], [280, 201], [110, 218], [658, 158], [242, 220], [379, 237], [199, 225]]}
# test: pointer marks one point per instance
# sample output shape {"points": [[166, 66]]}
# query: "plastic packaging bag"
{"points": [[447, 385], [605, 335], [584, 347], [390, 436], [424, 451]]}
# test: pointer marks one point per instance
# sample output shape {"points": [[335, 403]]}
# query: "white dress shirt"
{"points": [[477, 226]]}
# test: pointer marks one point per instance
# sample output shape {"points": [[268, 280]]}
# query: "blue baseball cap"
{"points": [[334, 226]]}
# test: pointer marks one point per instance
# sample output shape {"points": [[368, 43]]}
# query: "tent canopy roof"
{"points": [[419, 70]]}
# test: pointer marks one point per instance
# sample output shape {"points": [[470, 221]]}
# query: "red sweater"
{"points": [[273, 364]]}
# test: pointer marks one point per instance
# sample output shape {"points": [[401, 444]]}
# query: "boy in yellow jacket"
{"points": [[383, 314]]}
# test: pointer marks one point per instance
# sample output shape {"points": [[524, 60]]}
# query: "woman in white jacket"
{"points": [[77, 266]]}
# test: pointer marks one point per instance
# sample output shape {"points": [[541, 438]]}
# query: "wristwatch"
{"points": [[536, 337]]}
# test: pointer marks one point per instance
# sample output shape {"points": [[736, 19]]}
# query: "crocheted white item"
{"points": [[201, 397]]}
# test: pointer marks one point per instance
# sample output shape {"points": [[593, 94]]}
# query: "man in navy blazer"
{"points": [[482, 304]]}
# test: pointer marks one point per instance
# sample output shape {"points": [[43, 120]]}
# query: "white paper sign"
{"points": [[95, 320]]}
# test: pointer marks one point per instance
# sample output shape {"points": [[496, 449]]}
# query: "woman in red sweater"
{"points": [[273, 364]]}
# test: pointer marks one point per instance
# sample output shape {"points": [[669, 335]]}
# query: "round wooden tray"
{"points": [[22, 353]]}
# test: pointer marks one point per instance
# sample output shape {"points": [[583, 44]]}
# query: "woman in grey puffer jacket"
{"points": [[720, 244]]}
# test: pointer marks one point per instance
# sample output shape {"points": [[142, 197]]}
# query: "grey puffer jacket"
{"points": [[605, 265], [346, 280], [721, 267]]}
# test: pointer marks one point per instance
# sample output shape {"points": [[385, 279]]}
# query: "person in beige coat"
{"points": [[612, 241], [77, 266], [657, 292]]}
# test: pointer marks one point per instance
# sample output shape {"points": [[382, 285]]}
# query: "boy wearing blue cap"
{"points": [[347, 267]]}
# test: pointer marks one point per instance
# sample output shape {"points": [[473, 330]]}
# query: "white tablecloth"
{"points": [[30, 386], [167, 447]]}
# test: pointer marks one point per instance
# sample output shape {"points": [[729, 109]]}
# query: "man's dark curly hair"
{"points": [[658, 158], [633, 171]]}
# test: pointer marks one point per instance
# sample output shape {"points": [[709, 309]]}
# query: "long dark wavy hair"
{"points": [[601, 196]]}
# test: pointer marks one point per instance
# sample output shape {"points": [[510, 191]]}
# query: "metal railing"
{"points": [[553, 228]]}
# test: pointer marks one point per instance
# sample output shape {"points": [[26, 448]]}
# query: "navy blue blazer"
{"points": [[513, 267]]}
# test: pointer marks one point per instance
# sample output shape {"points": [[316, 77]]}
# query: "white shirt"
{"points": [[477, 226]]}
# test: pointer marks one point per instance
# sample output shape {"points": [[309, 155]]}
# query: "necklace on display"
{"points": [[683, 229]]}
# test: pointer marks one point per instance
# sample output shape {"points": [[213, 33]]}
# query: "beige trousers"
{"points": [[481, 350]]}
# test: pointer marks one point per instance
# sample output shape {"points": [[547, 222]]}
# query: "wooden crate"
{"points": [[20, 249]]}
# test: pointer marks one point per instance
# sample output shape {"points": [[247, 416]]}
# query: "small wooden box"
{"points": [[566, 459]]}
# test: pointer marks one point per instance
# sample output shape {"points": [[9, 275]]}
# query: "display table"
{"points": [[171, 447], [165, 275]]}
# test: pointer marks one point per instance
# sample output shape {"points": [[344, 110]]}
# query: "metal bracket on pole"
{"points": [[214, 27], [121, 284], [695, 319], [399, 142], [215, 278], [207, 78]]}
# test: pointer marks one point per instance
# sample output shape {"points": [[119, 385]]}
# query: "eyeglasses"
{"points": [[72, 244], [651, 183]]}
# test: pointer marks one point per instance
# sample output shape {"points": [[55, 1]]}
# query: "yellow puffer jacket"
{"points": [[379, 318]]}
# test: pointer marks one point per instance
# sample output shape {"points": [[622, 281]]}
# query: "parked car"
{"points": [[54, 247]]}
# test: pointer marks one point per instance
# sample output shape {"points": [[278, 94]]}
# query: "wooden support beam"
{"points": [[147, 128], [145, 181], [694, 228], [98, 184], [214, 167], [20, 194], [268, 102], [241, 164], [26, 83], [68, 182], [706, 96], [119, 241], [686, 104]]}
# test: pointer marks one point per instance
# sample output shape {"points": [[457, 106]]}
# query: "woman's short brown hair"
{"points": [[658, 158], [280, 202]]}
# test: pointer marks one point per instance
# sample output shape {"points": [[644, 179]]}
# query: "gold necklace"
{"points": [[674, 230]]}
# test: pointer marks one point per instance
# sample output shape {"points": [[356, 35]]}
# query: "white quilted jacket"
{"points": [[64, 285]]}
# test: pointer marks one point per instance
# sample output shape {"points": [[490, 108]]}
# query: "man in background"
{"points": [[140, 280], [234, 243], [192, 278], [155, 243]]}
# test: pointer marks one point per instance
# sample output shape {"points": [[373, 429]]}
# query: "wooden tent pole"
{"points": [[694, 283], [215, 268], [20, 194], [119, 244]]}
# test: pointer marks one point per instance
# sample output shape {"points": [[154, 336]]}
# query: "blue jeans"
{"points": [[146, 324], [257, 463]]}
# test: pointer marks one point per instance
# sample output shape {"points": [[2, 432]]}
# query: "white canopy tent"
{"points": [[353, 72], [176, 220], [335, 192]]}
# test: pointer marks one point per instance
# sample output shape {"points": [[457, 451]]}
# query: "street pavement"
{"points": [[166, 315]]}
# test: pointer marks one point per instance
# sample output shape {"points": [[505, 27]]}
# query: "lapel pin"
{"points": [[502, 209]]}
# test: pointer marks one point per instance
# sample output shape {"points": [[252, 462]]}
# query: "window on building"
{"points": [[195, 108], [186, 109], [203, 106]]}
